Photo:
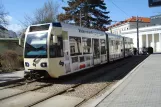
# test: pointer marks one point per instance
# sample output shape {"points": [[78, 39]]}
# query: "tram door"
{"points": [[96, 51], [66, 52]]}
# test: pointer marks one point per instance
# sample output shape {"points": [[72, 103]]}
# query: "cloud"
{"points": [[8, 18], [13, 25]]}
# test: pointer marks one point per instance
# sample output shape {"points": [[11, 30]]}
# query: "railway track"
{"points": [[80, 82], [18, 84]]}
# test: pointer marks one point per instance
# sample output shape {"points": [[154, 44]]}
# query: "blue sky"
{"points": [[18, 8]]}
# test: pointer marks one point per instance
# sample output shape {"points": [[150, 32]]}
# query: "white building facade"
{"points": [[148, 37], [149, 31], [124, 27]]}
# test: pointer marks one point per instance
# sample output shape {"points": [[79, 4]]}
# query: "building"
{"points": [[9, 41], [149, 31], [155, 20], [3, 32], [128, 24]]}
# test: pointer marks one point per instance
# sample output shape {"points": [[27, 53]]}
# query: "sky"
{"points": [[119, 10]]}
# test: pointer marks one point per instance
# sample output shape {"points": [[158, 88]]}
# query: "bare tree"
{"points": [[48, 13], [3, 15]]}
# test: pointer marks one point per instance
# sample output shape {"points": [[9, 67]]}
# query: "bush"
{"points": [[10, 61], [150, 50], [21, 61]]}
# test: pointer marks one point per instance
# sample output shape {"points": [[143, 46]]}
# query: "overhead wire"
{"points": [[119, 8]]}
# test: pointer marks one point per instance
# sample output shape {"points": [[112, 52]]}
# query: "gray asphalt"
{"points": [[6, 78]]}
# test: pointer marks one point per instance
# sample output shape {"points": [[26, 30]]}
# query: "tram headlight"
{"points": [[43, 64], [27, 64]]}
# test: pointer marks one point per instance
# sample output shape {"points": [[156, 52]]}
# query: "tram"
{"points": [[58, 49]]}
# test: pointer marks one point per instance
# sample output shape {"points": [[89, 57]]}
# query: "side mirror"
{"points": [[55, 40]]}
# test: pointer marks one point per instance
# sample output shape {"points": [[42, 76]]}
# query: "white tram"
{"points": [[59, 49]]}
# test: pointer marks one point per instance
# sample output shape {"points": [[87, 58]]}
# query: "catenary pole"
{"points": [[137, 26]]}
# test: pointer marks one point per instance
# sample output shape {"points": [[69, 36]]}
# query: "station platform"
{"points": [[140, 88], [11, 77]]}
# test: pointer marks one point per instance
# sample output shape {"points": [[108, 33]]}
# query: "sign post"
{"points": [[154, 3]]}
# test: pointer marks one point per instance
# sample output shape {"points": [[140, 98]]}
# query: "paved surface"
{"points": [[141, 89], [11, 77]]}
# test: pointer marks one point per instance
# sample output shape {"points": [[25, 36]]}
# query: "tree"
{"points": [[48, 13], [3, 15], [89, 15]]}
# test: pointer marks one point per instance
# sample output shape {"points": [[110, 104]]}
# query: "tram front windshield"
{"points": [[36, 45]]}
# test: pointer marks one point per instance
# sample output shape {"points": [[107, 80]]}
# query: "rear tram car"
{"points": [[58, 49]]}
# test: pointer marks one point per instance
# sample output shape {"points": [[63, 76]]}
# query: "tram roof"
{"points": [[114, 35], [70, 27], [75, 27]]}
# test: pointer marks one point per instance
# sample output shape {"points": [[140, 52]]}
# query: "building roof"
{"points": [[132, 19], [3, 28], [155, 20]]}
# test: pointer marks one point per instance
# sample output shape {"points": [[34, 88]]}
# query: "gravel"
{"points": [[29, 86], [91, 89], [86, 90], [54, 88]]}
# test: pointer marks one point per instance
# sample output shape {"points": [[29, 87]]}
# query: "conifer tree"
{"points": [[92, 15]]}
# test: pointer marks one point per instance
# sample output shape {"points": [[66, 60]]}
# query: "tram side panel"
{"points": [[66, 52], [86, 51], [112, 48], [56, 53], [79, 58]]}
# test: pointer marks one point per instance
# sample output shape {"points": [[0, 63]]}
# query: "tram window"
{"points": [[121, 44], [74, 59], [86, 42], [81, 59], [88, 58], [117, 45], [96, 48], [39, 28], [75, 46], [112, 42], [56, 50], [72, 49], [103, 49]]}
